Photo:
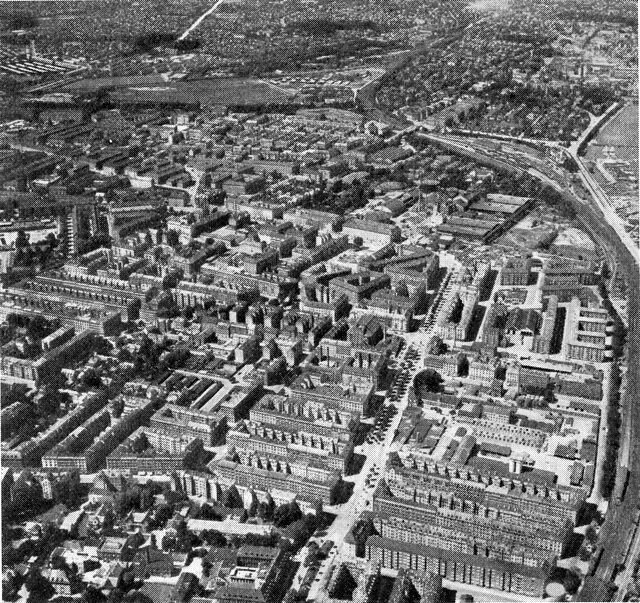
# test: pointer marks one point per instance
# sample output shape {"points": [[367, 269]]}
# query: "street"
{"points": [[617, 530], [200, 19], [410, 362]]}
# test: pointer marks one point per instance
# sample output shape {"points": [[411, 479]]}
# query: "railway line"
{"points": [[619, 538], [366, 96], [618, 541]]}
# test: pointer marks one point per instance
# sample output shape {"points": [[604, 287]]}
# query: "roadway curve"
{"points": [[366, 96]]}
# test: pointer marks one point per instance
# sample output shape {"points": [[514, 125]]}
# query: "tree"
{"points": [[148, 41], [300, 530], [39, 587], [67, 490], [168, 543], [286, 514], [232, 499], [27, 500], [116, 596], [92, 595], [571, 581], [187, 312], [176, 358], [140, 444], [584, 554], [93, 242], [363, 529], [17, 320], [11, 583], [253, 508], [22, 239], [117, 407], [214, 538], [146, 497], [126, 581], [167, 307], [174, 497], [124, 355], [108, 520], [160, 517], [169, 281], [207, 512], [90, 378], [52, 241], [10, 393], [48, 404], [428, 380], [102, 346], [38, 327], [186, 541], [127, 499], [173, 238], [590, 535], [464, 366], [266, 510], [146, 360]]}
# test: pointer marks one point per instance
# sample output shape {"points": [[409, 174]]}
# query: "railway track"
{"points": [[618, 529], [617, 535]]}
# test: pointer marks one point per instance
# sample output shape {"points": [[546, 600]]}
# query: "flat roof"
{"points": [[490, 206], [507, 199]]}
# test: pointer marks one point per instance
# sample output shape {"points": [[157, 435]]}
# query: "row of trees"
{"points": [[136, 497], [340, 198], [614, 422], [36, 327], [93, 242], [294, 57], [614, 419], [328, 27], [148, 362], [41, 254], [288, 517], [161, 39]]}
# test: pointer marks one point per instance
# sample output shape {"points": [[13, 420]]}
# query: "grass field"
{"points": [[618, 139], [622, 133], [156, 89], [91, 85]]}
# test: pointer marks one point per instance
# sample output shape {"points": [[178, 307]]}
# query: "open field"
{"points": [[94, 84], [215, 91], [613, 159], [158, 89], [621, 133]]}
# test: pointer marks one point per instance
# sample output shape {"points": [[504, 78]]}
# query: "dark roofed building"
{"points": [[150, 561], [459, 567]]}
